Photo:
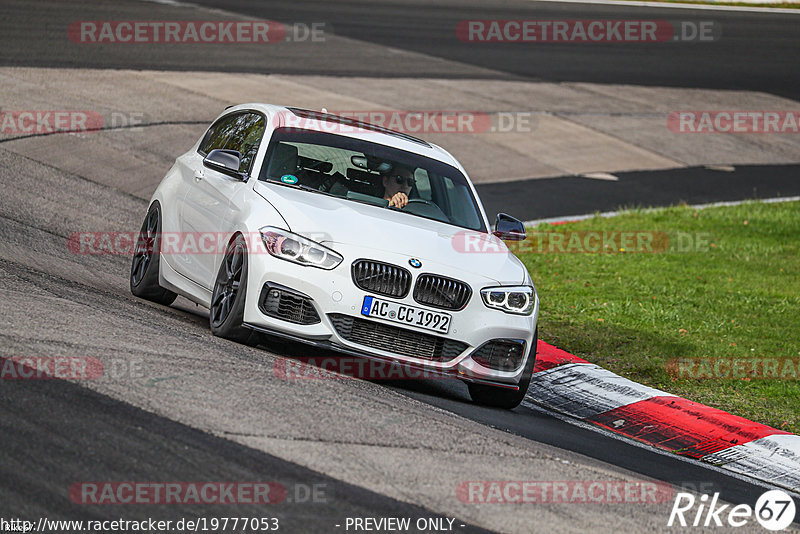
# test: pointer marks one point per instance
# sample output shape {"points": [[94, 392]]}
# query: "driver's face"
{"points": [[391, 185]]}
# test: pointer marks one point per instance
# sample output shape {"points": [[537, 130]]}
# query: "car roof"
{"points": [[322, 121], [329, 117]]}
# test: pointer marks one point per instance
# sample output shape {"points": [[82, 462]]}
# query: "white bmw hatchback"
{"points": [[345, 236]]}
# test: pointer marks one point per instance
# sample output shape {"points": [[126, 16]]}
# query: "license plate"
{"points": [[408, 315]]}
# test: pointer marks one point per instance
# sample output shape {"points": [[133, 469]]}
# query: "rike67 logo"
{"points": [[774, 510]]}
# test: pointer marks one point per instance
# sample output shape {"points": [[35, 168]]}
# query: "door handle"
{"points": [[198, 175]]}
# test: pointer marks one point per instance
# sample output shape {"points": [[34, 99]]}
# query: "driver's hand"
{"points": [[399, 200]]}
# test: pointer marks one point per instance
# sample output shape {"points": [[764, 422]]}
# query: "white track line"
{"points": [[753, 9]]}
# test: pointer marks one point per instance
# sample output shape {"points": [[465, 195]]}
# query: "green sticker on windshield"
{"points": [[289, 179]]}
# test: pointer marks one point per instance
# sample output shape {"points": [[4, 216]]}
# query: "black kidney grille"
{"points": [[282, 303], [441, 292], [381, 278], [397, 340]]}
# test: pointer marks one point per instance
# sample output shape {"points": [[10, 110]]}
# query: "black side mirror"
{"points": [[225, 161], [508, 228]]}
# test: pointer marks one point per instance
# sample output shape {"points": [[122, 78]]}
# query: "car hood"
{"points": [[330, 221]]}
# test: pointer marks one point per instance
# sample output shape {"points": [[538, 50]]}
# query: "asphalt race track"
{"points": [[94, 427], [413, 25], [417, 26], [177, 404], [561, 197]]}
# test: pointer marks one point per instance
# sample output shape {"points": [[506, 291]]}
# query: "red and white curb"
{"points": [[572, 386]]}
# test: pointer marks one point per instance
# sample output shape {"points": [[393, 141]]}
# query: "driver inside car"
{"points": [[397, 185]]}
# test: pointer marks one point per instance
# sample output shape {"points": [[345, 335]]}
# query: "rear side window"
{"points": [[239, 131]]}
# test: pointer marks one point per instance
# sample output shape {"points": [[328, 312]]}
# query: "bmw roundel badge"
{"points": [[415, 263]]}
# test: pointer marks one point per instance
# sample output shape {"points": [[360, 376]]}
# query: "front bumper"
{"points": [[334, 294]]}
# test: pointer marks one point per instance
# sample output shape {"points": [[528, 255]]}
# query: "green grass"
{"points": [[787, 5], [736, 297]]}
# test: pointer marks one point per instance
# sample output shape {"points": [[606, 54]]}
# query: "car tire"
{"points": [[147, 259], [226, 314], [504, 398]]}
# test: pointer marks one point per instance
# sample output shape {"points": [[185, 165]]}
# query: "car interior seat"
{"points": [[364, 182]]}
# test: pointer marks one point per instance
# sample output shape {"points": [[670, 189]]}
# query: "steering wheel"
{"points": [[425, 208], [421, 201]]}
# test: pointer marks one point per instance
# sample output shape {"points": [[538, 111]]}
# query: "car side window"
{"points": [[241, 132], [216, 135], [245, 136]]}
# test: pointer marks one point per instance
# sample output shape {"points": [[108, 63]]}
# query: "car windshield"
{"points": [[361, 171]]}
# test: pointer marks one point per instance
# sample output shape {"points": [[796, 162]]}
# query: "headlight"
{"points": [[517, 299], [297, 249]]}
